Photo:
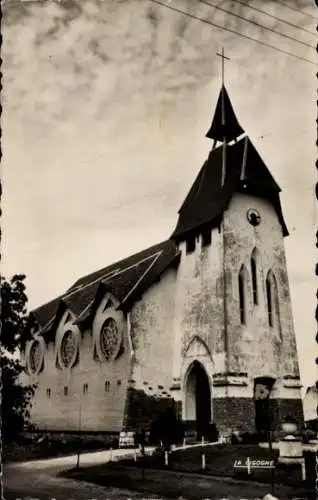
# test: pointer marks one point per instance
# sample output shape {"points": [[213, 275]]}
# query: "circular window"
{"points": [[68, 348], [253, 217], [109, 339], [35, 356]]}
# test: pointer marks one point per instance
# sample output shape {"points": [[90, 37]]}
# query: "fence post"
{"points": [[203, 461], [166, 458], [303, 469], [248, 466]]}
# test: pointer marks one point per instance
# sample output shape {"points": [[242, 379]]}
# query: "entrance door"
{"points": [[263, 417], [198, 399]]}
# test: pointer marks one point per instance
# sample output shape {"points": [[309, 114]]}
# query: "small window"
{"points": [[254, 280], [206, 237], [118, 382], [85, 388], [269, 301], [241, 284], [190, 244], [65, 391], [107, 386], [48, 392]]}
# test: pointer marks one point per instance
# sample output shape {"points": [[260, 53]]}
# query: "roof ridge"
{"points": [[142, 276], [133, 272], [120, 261]]}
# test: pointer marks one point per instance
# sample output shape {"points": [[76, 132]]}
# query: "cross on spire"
{"points": [[225, 127], [223, 59]]}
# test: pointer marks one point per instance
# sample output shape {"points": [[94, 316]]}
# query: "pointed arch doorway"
{"points": [[198, 399]]}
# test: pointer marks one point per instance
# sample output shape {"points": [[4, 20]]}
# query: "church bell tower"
{"points": [[234, 333]]}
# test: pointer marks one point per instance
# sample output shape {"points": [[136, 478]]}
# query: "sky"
{"points": [[106, 106]]}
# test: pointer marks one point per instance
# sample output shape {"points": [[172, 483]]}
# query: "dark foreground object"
{"points": [[176, 484], [223, 460]]}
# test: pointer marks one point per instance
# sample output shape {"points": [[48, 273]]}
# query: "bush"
{"points": [[308, 435], [166, 428], [249, 438], [290, 419]]}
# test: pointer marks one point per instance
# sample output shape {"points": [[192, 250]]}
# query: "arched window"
{"points": [[242, 294], [254, 262], [272, 300], [269, 296]]}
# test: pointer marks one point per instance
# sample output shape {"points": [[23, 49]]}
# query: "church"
{"points": [[201, 322]]}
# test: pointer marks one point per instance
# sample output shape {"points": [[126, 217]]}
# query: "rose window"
{"points": [[35, 358], [68, 348], [109, 339]]}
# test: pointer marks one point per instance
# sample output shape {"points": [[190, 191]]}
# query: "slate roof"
{"points": [[208, 199], [126, 280], [225, 125], [45, 313]]}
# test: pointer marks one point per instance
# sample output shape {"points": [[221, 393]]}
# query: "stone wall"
{"points": [[234, 413], [256, 347], [199, 308], [239, 413], [95, 409], [152, 337]]}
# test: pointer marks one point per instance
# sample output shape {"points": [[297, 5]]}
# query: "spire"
{"points": [[208, 198], [225, 126]]}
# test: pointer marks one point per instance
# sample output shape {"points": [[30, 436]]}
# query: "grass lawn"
{"points": [[184, 477], [220, 461], [176, 485]]}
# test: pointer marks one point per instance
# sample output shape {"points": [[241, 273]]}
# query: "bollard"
{"points": [[203, 461], [202, 440], [184, 442], [135, 455], [111, 454], [166, 458]]}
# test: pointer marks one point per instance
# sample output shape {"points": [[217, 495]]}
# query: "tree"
{"points": [[167, 428], [16, 397]]}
